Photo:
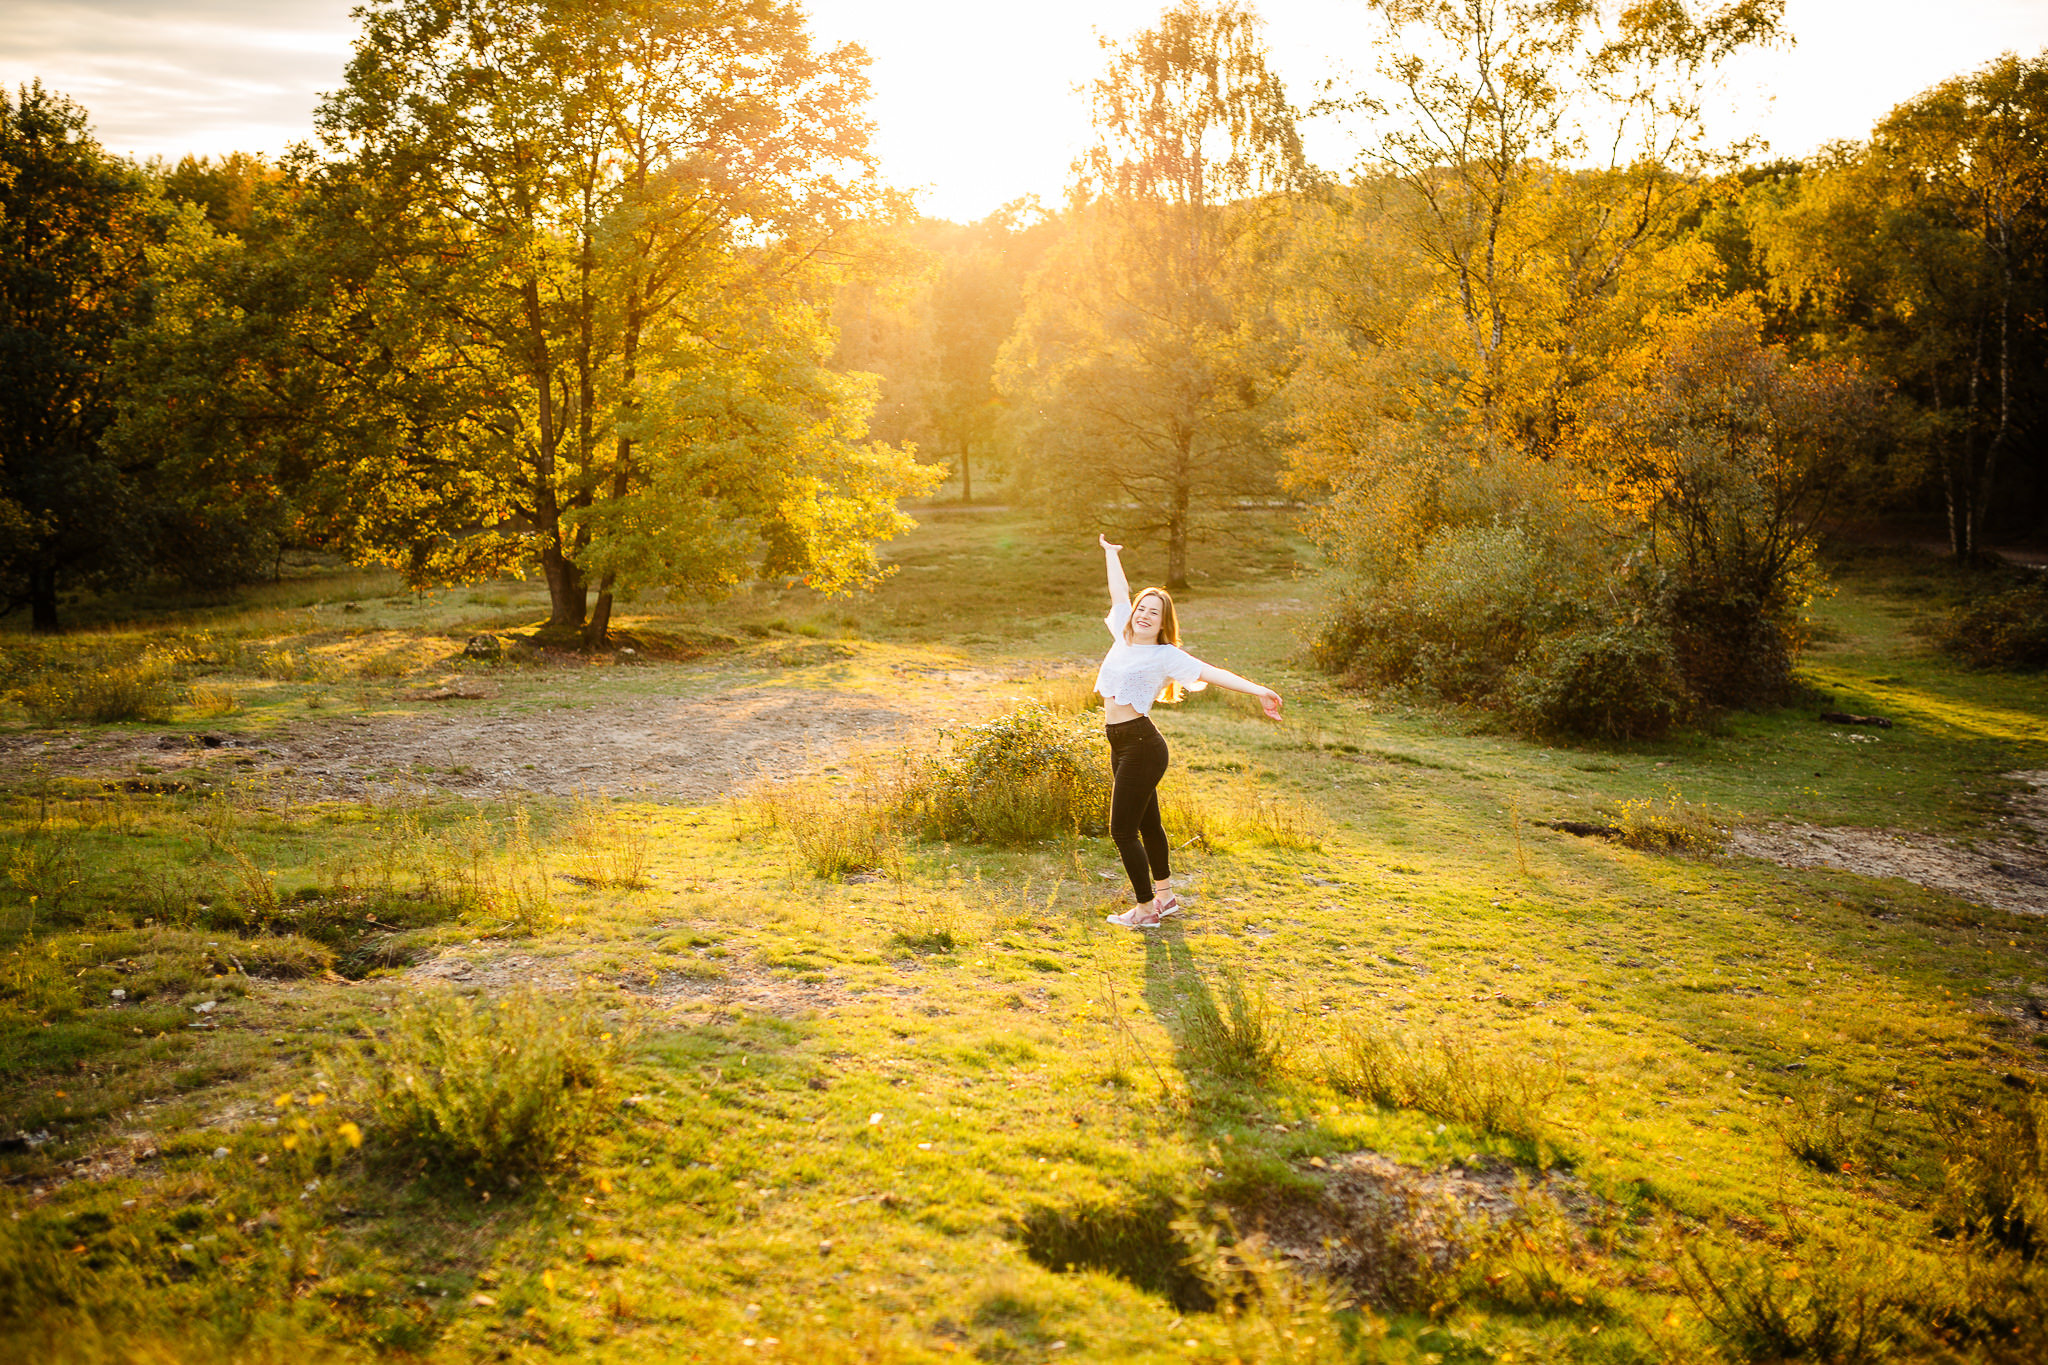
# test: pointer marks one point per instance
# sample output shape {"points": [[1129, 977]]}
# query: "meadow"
{"points": [[349, 1008]]}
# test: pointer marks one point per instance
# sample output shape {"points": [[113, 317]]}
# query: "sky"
{"points": [[975, 104]]}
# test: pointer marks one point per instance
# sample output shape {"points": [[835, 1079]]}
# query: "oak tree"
{"points": [[75, 228], [594, 218]]}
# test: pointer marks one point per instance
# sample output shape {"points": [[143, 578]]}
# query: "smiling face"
{"points": [[1150, 616]]}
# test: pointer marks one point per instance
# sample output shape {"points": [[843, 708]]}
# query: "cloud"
{"points": [[166, 77]]}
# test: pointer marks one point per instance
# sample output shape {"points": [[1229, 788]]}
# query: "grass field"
{"points": [[419, 1074]]}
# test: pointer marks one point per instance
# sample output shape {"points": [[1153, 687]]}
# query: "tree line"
{"points": [[611, 292]]}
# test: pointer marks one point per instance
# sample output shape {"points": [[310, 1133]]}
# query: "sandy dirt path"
{"points": [[2010, 874], [687, 749]]}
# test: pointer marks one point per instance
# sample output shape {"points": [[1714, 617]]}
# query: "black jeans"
{"points": [[1137, 760]]}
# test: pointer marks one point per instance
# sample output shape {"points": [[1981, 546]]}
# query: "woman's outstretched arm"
{"points": [[1230, 682], [1119, 586]]}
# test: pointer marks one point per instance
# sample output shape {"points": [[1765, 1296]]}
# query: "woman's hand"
{"points": [[1105, 543], [1270, 699]]}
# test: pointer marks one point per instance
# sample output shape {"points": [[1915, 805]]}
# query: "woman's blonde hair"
{"points": [[1169, 634]]}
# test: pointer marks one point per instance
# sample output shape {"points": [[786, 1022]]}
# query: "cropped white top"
{"points": [[1134, 674]]}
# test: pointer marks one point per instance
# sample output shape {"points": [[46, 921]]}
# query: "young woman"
{"points": [[1144, 663]]}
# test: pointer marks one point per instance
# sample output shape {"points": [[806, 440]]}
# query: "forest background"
{"points": [[612, 295]]}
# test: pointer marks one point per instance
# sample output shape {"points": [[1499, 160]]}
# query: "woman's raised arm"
{"points": [[1119, 586]]}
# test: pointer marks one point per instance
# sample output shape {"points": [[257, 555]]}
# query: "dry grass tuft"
{"points": [[605, 848], [838, 828], [1441, 1071], [1234, 1033], [209, 700]]}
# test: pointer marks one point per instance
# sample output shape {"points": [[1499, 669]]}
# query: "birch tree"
{"points": [[1150, 353]]}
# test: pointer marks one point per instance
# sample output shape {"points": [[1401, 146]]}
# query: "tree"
{"points": [[933, 329], [1731, 454], [1923, 252], [1150, 354], [1535, 162], [552, 196], [75, 226]]}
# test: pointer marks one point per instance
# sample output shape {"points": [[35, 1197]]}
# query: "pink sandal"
{"points": [[1128, 920]]}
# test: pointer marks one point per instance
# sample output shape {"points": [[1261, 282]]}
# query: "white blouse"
{"points": [[1134, 674]]}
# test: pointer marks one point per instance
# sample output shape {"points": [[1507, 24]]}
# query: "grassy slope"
{"points": [[846, 1178]]}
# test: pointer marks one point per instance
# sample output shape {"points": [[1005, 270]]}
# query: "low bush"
{"points": [[1458, 621], [1736, 648], [103, 692], [1023, 777], [1826, 1303], [1669, 824], [486, 1088], [2003, 630], [1614, 682], [1996, 1175]]}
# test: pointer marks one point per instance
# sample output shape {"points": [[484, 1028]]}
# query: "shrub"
{"points": [[1669, 825], [1613, 682], [2005, 630], [1736, 647], [1457, 621], [1842, 1306], [1020, 778], [1443, 1073], [1996, 1170], [487, 1088]]}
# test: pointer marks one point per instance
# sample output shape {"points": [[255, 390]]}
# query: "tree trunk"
{"points": [[42, 600], [568, 594], [966, 477], [1177, 538], [599, 627], [596, 633]]}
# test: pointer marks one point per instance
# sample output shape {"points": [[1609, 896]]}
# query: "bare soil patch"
{"points": [[670, 749], [1381, 1228], [2006, 875], [724, 989]]}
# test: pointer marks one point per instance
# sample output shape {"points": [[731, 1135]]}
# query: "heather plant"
{"points": [[1020, 778], [487, 1088]]}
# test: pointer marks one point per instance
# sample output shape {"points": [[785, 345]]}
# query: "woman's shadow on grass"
{"points": [[1223, 1031]]}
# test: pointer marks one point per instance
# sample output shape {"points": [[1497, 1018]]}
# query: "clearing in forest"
{"points": [[359, 998]]}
